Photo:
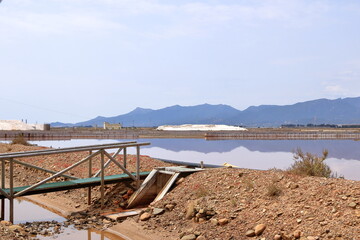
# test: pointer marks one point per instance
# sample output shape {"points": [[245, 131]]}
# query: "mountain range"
{"points": [[320, 111]]}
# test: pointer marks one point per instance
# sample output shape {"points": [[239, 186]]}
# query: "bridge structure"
{"points": [[54, 183]]}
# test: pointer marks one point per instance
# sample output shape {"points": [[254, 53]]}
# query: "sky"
{"points": [[73, 60]]}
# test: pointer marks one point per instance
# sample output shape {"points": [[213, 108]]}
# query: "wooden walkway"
{"points": [[94, 179]]}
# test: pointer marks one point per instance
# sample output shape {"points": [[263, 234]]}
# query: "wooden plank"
{"points": [[167, 187], [124, 214], [148, 182]]}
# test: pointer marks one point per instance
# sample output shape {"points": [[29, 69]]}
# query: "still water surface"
{"points": [[344, 155], [26, 211]]}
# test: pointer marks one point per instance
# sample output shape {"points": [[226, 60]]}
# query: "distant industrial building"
{"points": [[112, 126]]}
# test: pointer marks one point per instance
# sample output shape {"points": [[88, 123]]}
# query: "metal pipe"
{"points": [[68, 150], [56, 175]]}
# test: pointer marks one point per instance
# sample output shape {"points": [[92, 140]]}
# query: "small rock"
{"points": [[250, 233], [158, 211], [298, 220], [77, 205], [6, 223], [277, 237], [15, 228], [259, 229], [311, 238], [169, 207], [297, 234], [352, 205], [214, 221], [223, 221], [145, 216], [181, 180], [189, 237], [200, 238]]}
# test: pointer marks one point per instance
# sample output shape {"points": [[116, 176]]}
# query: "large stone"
{"points": [[145, 216], [259, 229], [250, 233], [190, 210], [189, 237]]}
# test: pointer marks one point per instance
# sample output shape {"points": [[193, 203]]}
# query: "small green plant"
{"points": [[20, 140], [273, 190], [310, 164]]}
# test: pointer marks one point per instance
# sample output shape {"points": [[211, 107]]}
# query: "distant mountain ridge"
{"points": [[320, 111]]}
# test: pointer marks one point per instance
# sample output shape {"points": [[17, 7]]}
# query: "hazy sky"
{"points": [[72, 60]]}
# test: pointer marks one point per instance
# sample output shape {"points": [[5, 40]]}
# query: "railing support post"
{"points": [[3, 186], [102, 189], [137, 166], [90, 174], [124, 158], [11, 191]]}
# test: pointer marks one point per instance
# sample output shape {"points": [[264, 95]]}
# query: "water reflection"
{"points": [[344, 155], [72, 233], [26, 211]]}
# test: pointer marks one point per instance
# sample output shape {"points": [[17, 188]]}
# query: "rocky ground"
{"points": [[221, 204]]}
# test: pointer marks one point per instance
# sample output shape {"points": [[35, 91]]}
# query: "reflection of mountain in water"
{"points": [[346, 149]]}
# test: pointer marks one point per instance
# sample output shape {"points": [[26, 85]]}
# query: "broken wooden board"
{"points": [[125, 213], [158, 183]]}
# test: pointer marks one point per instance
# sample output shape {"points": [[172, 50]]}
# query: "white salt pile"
{"points": [[19, 125]]}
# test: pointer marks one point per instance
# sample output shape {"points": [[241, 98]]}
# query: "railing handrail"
{"points": [[70, 149]]}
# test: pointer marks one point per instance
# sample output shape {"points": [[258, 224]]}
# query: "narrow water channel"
{"points": [[26, 211]]}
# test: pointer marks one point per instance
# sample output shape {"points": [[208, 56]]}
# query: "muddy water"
{"points": [[26, 211]]}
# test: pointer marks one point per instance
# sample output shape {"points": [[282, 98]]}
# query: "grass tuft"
{"points": [[273, 190], [20, 140], [308, 164]]}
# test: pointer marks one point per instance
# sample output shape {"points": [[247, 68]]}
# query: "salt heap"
{"points": [[19, 125], [200, 127]]}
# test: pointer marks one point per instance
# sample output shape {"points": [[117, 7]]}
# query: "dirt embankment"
{"points": [[230, 204]]}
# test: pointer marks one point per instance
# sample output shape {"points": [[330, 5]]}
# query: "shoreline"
{"points": [[250, 134]]}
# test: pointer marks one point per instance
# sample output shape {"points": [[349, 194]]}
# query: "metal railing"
{"points": [[93, 150]]}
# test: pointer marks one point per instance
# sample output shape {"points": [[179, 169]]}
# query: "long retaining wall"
{"points": [[285, 136], [151, 133]]}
